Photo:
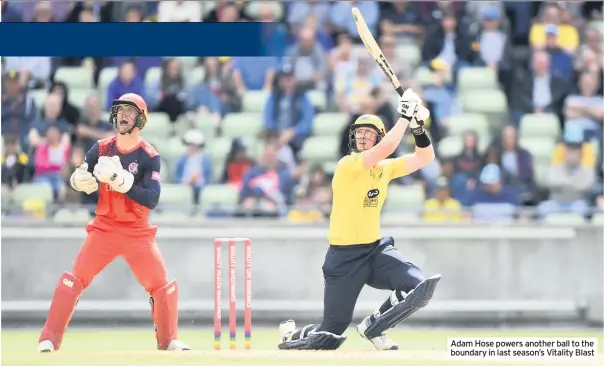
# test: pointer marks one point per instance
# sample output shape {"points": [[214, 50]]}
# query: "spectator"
{"points": [[469, 161], [541, 92], [570, 181], [179, 11], [289, 111], [91, 127], [51, 157], [585, 109], [69, 112], [438, 92], [561, 60], [342, 20], [275, 38], [134, 14], [15, 163], [434, 11], [568, 37], [593, 40], [169, 95], [494, 46], [253, 73], [299, 12], [228, 12], [267, 186], [517, 165], [220, 78], [34, 72], [237, 164], [87, 15], [340, 60], [402, 20], [308, 61], [314, 195], [127, 81], [442, 207], [43, 12], [194, 168], [450, 44], [18, 108], [51, 117], [324, 38], [351, 88], [573, 137], [9, 14], [403, 69], [492, 200], [588, 62]]}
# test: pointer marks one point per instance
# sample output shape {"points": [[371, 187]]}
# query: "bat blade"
{"points": [[374, 50]]}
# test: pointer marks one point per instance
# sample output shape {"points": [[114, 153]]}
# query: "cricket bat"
{"points": [[375, 50]]}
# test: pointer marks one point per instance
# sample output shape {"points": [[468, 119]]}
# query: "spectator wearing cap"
{"points": [[442, 207], [492, 200], [561, 61], [18, 108], [570, 180], [342, 20], [308, 61], [574, 138], [195, 167], [237, 164], [494, 46], [541, 91], [289, 111], [127, 81], [567, 37]]}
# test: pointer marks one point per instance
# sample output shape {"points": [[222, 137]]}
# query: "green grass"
{"points": [[111, 347]]}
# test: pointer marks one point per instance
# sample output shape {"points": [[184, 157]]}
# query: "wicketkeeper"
{"points": [[127, 170], [358, 255]]}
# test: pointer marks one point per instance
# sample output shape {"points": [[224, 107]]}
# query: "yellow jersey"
{"points": [[358, 197]]}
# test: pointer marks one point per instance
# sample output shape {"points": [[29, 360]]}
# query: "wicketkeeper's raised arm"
{"points": [[148, 193]]}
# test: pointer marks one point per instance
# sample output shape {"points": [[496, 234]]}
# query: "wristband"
{"points": [[422, 140]]}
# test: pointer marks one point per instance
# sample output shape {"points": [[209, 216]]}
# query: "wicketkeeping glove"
{"points": [[109, 170], [82, 181]]}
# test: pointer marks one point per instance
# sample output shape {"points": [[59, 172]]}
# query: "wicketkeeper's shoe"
{"points": [[382, 342], [46, 347], [286, 329], [176, 345]]}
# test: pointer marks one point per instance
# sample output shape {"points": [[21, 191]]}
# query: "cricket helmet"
{"points": [[137, 105], [367, 120]]}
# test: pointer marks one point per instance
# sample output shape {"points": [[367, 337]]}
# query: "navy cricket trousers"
{"points": [[348, 268]]}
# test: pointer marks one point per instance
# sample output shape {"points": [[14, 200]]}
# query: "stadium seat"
{"points": [[207, 7], [165, 171], [598, 219], [458, 125], [409, 53], [318, 99], [540, 148], [541, 171], [196, 76], [329, 124], [329, 167], [425, 76], [318, 149], [218, 149], [408, 198], [564, 219], [158, 126], [253, 9], [78, 96], [105, 78], [242, 124], [7, 196], [26, 191], [75, 77], [175, 195], [153, 76], [477, 78], [169, 217], [397, 218], [39, 97], [449, 147], [492, 103], [540, 125], [219, 196], [254, 100], [69, 216], [170, 149]]}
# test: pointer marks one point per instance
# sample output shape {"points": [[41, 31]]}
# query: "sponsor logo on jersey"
{"points": [[372, 199], [133, 168], [155, 176]]}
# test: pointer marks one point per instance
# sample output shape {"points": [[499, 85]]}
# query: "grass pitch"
{"points": [[114, 347]]}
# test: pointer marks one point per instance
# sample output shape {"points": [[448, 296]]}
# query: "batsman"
{"points": [[358, 255], [125, 170]]}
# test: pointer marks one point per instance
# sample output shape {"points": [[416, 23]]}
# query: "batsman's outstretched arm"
{"points": [[387, 146]]}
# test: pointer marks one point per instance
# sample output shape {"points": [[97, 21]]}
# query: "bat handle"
{"points": [[400, 90]]}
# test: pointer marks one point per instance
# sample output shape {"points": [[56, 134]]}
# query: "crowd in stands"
{"points": [[515, 90]]}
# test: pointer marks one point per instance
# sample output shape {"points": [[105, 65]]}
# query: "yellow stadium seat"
{"points": [[75, 77], [540, 125], [318, 149], [477, 78], [242, 124], [329, 124]]}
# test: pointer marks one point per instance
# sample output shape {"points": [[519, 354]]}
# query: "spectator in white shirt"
{"points": [[179, 11]]}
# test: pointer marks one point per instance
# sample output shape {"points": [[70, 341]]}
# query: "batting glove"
{"points": [[109, 170], [82, 181], [408, 104], [416, 125]]}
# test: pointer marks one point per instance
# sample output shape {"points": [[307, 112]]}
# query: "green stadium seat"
{"points": [[171, 149], [106, 76], [165, 171], [218, 149], [540, 148], [176, 195], [329, 124], [242, 124], [329, 167], [425, 76], [598, 219], [153, 76], [318, 99], [219, 196], [69, 216], [39, 97], [79, 96], [25, 191], [458, 125], [196, 76], [477, 78], [75, 77], [158, 126], [409, 53], [169, 217], [449, 147], [491, 103], [254, 101], [405, 197], [542, 174], [540, 125], [397, 218], [7, 196], [318, 149], [564, 219]]}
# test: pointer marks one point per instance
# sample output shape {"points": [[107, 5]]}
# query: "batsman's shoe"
{"points": [[382, 342], [46, 347], [286, 329], [176, 345]]}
